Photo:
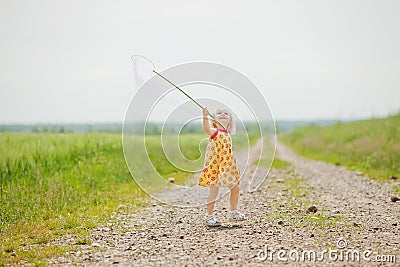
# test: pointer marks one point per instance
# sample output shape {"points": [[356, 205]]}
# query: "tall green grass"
{"points": [[371, 146], [52, 184], [47, 175]]}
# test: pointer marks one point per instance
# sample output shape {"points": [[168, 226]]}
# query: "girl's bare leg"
{"points": [[234, 197], [211, 199]]}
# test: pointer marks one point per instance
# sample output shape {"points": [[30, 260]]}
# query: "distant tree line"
{"points": [[153, 127], [63, 128]]}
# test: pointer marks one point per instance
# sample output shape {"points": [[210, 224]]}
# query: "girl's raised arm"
{"points": [[206, 124]]}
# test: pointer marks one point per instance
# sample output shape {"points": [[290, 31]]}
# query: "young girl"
{"points": [[219, 164]]}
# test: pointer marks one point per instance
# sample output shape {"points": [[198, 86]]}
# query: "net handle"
{"points": [[183, 92]]}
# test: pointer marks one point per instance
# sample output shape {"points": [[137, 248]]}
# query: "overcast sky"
{"points": [[69, 61]]}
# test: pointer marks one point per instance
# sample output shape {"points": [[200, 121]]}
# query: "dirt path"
{"points": [[349, 206]]}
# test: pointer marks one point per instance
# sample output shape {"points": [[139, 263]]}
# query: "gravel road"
{"points": [[310, 207]]}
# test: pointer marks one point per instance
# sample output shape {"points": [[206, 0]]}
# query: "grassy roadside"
{"points": [[371, 146], [58, 184]]}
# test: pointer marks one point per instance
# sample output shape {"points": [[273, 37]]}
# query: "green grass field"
{"points": [[371, 146], [54, 184]]}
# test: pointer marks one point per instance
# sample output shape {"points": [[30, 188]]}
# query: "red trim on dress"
{"points": [[214, 135], [216, 132]]}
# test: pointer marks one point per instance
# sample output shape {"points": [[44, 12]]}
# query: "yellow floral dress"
{"points": [[220, 167]]}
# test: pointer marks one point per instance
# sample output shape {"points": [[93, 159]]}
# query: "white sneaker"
{"points": [[234, 215], [211, 221]]}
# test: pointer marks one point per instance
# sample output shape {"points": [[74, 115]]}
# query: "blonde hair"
{"points": [[231, 125]]}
